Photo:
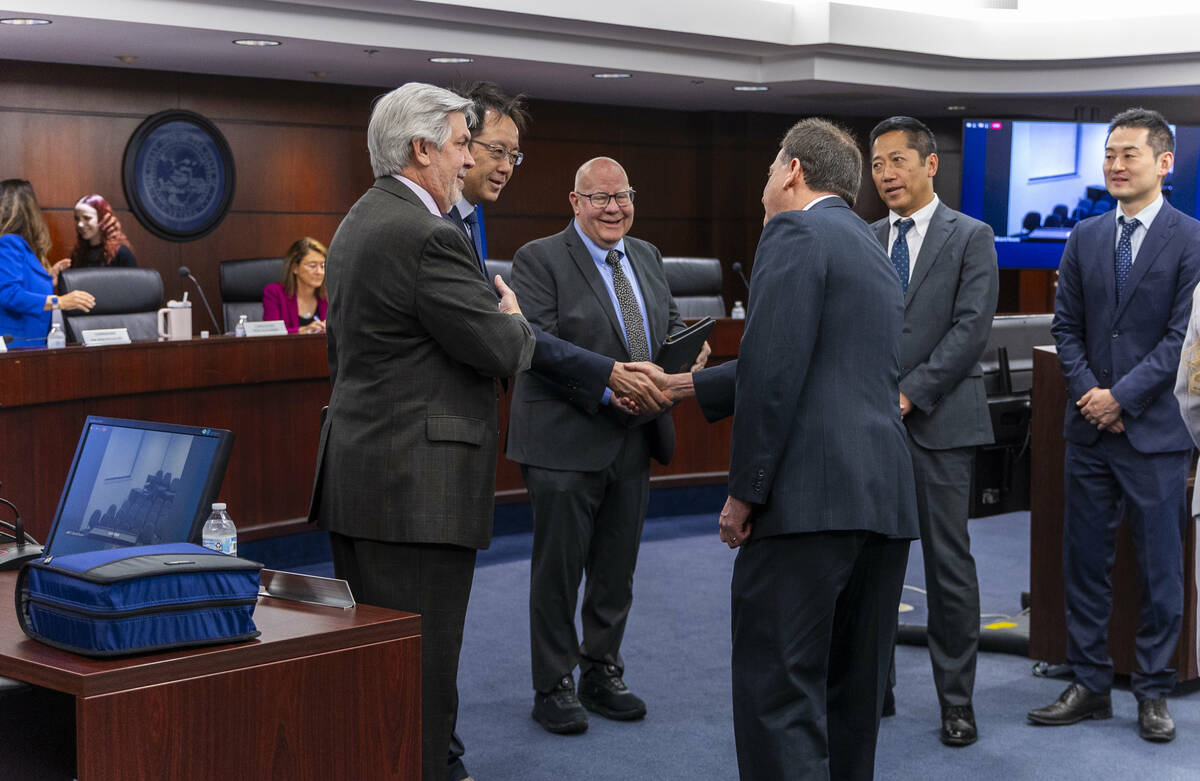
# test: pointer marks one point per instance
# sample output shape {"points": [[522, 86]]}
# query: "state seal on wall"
{"points": [[178, 175]]}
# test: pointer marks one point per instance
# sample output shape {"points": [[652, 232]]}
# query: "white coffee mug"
{"points": [[175, 321]]}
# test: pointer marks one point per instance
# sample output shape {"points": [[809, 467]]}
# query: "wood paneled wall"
{"points": [[300, 155]]}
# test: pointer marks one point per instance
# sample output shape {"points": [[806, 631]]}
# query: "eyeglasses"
{"points": [[499, 153], [313, 266], [600, 200]]}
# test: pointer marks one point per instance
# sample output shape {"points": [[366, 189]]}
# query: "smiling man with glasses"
{"points": [[587, 470]]}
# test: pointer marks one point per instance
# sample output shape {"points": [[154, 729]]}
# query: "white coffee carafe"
{"points": [[175, 320]]}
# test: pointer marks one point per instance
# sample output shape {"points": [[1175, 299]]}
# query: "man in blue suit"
{"points": [[1124, 298], [821, 495]]}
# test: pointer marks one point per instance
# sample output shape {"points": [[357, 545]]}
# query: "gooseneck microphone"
{"points": [[738, 268], [184, 271], [22, 548]]}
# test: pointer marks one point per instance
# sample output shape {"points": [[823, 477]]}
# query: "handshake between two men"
{"points": [[638, 387]]}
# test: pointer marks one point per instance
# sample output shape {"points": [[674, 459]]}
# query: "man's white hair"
{"points": [[412, 111]]}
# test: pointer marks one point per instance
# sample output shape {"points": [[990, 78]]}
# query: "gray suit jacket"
{"points": [[408, 450], [817, 440], [561, 290], [948, 312]]}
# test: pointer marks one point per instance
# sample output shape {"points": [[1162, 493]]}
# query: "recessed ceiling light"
{"points": [[956, 108], [128, 59], [256, 42], [750, 88], [451, 60], [24, 21], [612, 75]]}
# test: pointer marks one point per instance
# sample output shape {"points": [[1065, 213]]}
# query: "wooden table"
{"points": [[269, 392], [1047, 619], [323, 693]]}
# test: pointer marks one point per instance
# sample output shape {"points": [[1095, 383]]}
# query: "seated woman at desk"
{"points": [[26, 281], [299, 299], [99, 238]]}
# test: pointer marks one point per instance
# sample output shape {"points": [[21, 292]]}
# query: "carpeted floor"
{"points": [[676, 653]]}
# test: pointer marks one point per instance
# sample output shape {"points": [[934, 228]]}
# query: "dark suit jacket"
{"points": [[408, 450], [948, 312], [561, 290], [278, 305], [1132, 348], [817, 440]]}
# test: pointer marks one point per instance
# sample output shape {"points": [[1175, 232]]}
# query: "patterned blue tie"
{"points": [[1124, 254], [472, 222], [900, 251]]}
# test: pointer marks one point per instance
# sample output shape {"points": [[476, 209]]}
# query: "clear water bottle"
{"points": [[219, 533], [57, 336], [738, 312], [240, 328]]}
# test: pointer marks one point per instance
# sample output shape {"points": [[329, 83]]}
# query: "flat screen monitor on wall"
{"points": [[1032, 181]]}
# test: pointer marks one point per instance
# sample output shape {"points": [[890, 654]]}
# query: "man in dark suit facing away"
{"points": [[1124, 296], [821, 500], [945, 262], [407, 461], [587, 466]]}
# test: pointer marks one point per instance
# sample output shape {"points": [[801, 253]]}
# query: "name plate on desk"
{"points": [[266, 328], [98, 337]]}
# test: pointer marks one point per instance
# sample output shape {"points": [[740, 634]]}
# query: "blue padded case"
{"points": [[138, 599]]}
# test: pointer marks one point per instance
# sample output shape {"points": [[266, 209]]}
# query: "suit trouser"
{"points": [[584, 522], [435, 581], [1101, 480], [943, 480], [814, 620]]}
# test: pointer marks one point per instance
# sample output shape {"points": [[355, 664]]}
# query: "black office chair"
{"points": [[1060, 210], [501, 267], [242, 283], [1002, 470], [125, 298], [695, 285], [1031, 222]]}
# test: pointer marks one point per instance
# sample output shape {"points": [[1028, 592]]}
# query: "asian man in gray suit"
{"points": [[407, 459], [945, 263]]}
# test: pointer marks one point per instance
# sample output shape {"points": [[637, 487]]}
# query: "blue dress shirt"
{"points": [[24, 285]]}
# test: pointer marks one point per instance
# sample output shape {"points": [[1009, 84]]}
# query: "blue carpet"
{"points": [[676, 654]]}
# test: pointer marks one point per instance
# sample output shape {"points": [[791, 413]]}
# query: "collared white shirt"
{"points": [[1145, 217], [422, 193], [815, 201], [916, 234]]}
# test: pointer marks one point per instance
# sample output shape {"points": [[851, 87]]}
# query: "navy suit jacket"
{"points": [[818, 444], [1132, 347]]}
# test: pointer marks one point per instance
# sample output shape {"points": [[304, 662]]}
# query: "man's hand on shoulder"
{"points": [[508, 299], [635, 390], [1100, 408]]}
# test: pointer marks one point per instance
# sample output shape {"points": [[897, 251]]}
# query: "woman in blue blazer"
{"points": [[26, 283]]}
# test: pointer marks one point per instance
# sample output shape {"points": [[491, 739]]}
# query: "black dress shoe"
{"points": [[1154, 720], [602, 690], [559, 711], [958, 725], [889, 703], [1073, 705]]}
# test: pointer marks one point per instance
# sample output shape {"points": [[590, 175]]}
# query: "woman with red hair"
{"points": [[100, 242]]}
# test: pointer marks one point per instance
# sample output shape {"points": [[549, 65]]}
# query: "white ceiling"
{"points": [[847, 57]]}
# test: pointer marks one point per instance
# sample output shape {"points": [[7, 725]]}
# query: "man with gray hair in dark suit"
{"points": [[407, 460]]}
